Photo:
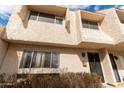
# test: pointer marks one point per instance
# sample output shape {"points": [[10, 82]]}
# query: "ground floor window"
{"points": [[39, 59]]}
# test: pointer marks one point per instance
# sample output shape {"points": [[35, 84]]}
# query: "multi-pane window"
{"points": [[33, 15], [26, 59], [45, 17], [90, 24], [58, 20], [37, 59]]}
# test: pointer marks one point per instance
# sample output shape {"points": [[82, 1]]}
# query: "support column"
{"points": [[107, 68]]}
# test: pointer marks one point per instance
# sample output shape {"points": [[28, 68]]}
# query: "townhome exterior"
{"points": [[42, 39]]}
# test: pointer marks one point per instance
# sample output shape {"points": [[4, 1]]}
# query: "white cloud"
{"points": [[5, 11], [116, 6], [121, 7], [84, 6], [97, 7], [75, 7]]}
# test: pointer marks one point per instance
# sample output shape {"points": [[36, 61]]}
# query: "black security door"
{"points": [[114, 66], [95, 65]]}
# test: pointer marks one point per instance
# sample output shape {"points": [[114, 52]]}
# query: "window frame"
{"points": [[90, 24], [42, 59], [29, 18], [47, 17], [22, 59], [55, 17], [58, 17], [58, 54], [47, 59], [41, 54]]}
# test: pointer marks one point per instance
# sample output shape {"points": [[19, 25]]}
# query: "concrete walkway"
{"points": [[119, 86]]}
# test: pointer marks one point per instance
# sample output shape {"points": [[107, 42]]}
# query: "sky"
{"points": [[5, 11]]}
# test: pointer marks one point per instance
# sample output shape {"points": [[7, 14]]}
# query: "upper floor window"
{"points": [[90, 24], [45, 17], [37, 59]]}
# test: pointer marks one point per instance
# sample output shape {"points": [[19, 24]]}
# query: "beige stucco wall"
{"points": [[92, 35], [111, 25], [3, 46], [19, 28], [78, 26], [38, 31], [70, 59], [107, 68]]}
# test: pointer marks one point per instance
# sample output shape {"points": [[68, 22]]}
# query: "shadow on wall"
{"points": [[10, 62], [25, 22], [3, 46], [119, 62]]}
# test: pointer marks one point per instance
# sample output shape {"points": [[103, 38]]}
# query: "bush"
{"points": [[68, 80], [8, 78], [7, 81]]}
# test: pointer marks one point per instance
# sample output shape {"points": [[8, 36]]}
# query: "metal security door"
{"points": [[95, 65], [114, 66]]}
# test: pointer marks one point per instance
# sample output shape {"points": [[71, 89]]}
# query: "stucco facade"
{"points": [[3, 46], [74, 43]]}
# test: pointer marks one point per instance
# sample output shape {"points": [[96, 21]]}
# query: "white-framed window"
{"points": [[58, 20], [45, 17], [90, 24], [39, 59]]}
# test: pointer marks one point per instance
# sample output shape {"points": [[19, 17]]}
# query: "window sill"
{"points": [[38, 70], [49, 23]]}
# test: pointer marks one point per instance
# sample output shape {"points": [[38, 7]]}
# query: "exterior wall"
{"points": [[43, 32], [3, 46], [111, 25], [74, 29], [21, 30], [107, 68], [70, 59], [78, 26], [96, 36]]}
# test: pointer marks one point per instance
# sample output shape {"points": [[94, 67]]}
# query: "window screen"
{"points": [[33, 15], [55, 60], [59, 20], [38, 59], [47, 59], [46, 17], [90, 24], [26, 59]]}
